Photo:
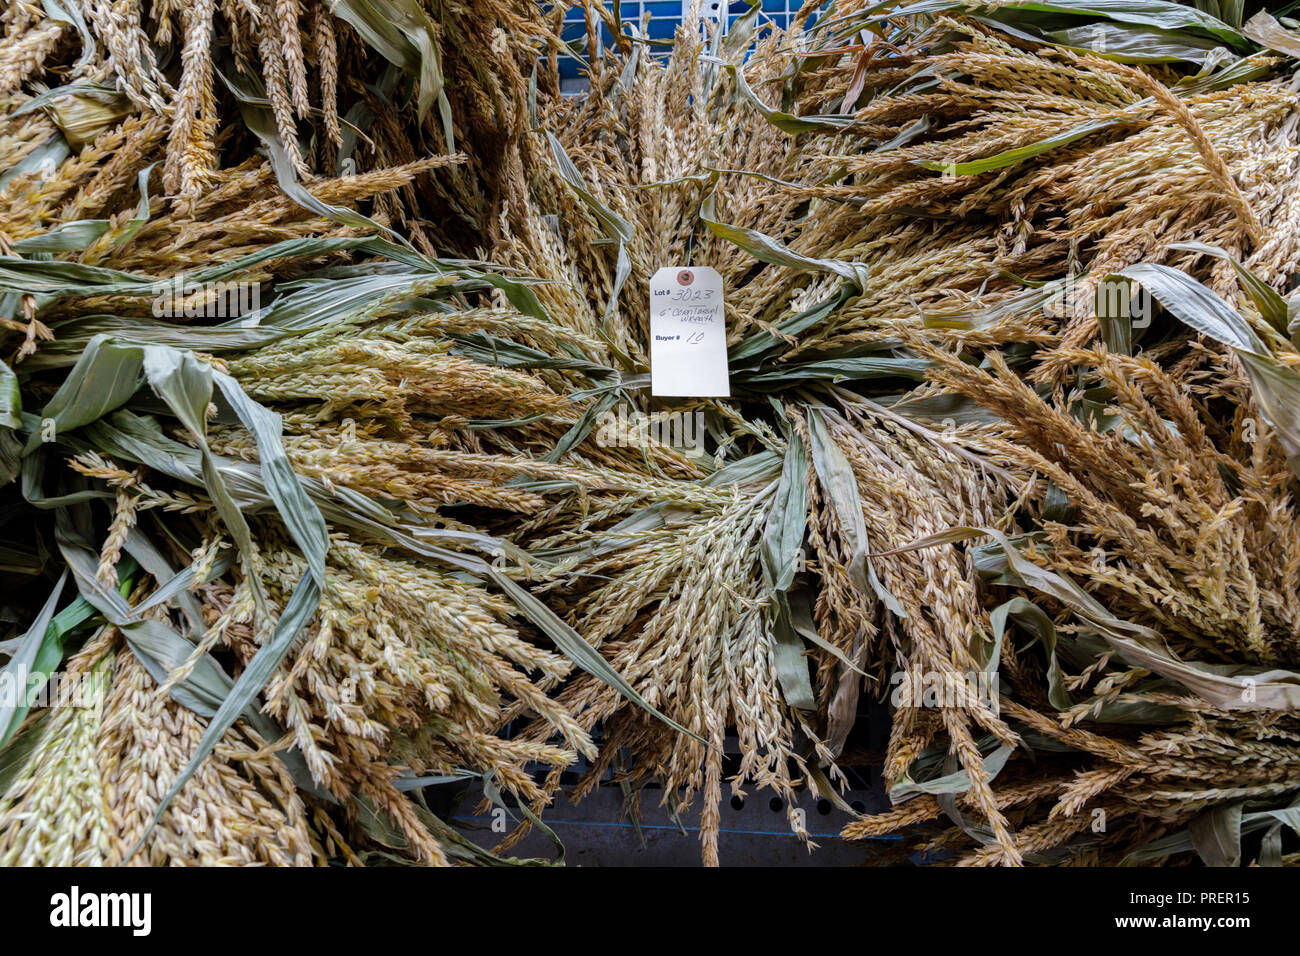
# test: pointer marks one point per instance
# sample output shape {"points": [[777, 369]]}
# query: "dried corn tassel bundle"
{"points": [[973, 253]]}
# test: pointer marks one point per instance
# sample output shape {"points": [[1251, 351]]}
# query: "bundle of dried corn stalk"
{"points": [[326, 416]]}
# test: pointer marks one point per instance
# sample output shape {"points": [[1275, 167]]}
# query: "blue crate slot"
{"points": [[664, 16]]}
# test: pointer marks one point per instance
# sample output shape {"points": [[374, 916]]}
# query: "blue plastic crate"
{"points": [[656, 20]]}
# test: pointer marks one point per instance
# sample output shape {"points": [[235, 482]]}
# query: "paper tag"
{"points": [[688, 335]]}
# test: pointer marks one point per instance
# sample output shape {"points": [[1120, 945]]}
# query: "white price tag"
{"points": [[688, 335]]}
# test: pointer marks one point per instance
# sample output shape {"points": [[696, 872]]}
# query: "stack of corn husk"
{"points": [[1011, 445]]}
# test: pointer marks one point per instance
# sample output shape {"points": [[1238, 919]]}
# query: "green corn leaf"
{"points": [[1268, 33], [1195, 305], [780, 555], [76, 236], [1270, 303], [573, 646], [1033, 619], [1228, 686], [104, 378], [1126, 43], [1143, 13], [953, 783], [12, 705], [11, 402], [786, 122], [836, 476], [402, 32], [615, 226], [302, 605], [1011, 157], [837, 370], [1276, 386], [766, 249], [1216, 835]]}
